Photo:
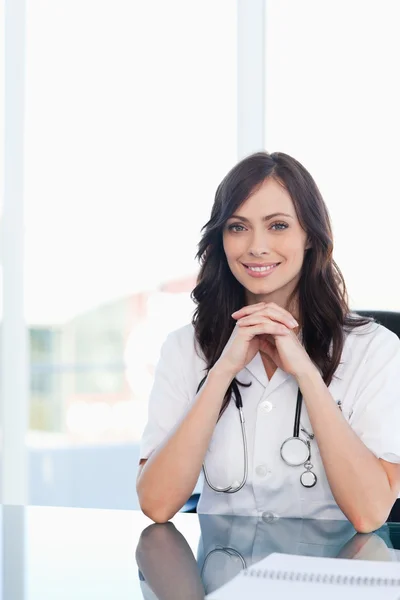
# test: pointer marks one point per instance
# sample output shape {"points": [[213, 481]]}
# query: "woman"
{"points": [[272, 331]]}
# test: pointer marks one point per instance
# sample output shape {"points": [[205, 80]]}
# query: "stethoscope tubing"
{"points": [[296, 430], [230, 489]]}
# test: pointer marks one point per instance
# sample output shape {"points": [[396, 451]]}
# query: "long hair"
{"points": [[321, 291]]}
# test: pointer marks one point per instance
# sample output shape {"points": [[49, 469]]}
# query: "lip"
{"points": [[258, 274], [251, 264]]}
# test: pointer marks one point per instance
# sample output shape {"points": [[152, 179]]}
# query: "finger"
{"points": [[248, 310], [271, 310], [283, 311], [269, 338], [267, 348], [271, 327], [260, 317]]}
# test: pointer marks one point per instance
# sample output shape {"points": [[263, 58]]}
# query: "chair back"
{"points": [[387, 318]]}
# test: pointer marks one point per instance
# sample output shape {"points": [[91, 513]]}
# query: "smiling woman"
{"points": [[273, 325], [268, 209]]}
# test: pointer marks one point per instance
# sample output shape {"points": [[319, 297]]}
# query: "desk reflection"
{"points": [[229, 544], [167, 565]]}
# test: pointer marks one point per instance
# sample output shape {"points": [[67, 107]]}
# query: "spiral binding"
{"points": [[323, 578]]}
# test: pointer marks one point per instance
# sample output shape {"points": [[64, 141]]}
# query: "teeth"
{"points": [[261, 269]]}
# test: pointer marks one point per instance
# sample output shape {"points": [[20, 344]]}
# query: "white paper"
{"points": [[256, 587]]}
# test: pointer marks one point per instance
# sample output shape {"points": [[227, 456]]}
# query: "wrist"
{"points": [[308, 373], [222, 371]]}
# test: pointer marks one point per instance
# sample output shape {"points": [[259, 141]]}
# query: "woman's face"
{"points": [[265, 232]]}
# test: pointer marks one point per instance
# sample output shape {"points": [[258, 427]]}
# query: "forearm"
{"points": [[357, 479], [170, 474]]}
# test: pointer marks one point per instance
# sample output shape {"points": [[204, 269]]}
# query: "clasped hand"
{"points": [[270, 329]]}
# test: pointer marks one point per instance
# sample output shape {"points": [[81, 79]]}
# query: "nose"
{"points": [[259, 244], [257, 252]]}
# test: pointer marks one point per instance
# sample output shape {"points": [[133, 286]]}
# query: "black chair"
{"points": [[191, 504], [387, 318], [390, 320]]}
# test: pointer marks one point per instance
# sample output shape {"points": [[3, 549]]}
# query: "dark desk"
{"points": [[67, 553]]}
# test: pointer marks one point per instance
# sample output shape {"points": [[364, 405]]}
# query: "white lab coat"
{"points": [[367, 382]]}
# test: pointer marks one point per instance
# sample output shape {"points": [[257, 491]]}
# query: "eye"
{"points": [[236, 227], [281, 226]]}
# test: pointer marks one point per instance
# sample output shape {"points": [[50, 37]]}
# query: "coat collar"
{"points": [[257, 370]]}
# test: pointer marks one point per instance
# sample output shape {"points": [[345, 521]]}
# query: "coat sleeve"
{"points": [[376, 410], [169, 397]]}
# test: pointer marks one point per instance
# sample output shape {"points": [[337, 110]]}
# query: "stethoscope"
{"points": [[231, 553], [294, 451]]}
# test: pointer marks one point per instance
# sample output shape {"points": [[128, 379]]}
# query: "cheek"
{"points": [[233, 248], [293, 250], [294, 258]]}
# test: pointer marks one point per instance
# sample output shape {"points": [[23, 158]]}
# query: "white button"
{"points": [[266, 406], [262, 470], [269, 517]]}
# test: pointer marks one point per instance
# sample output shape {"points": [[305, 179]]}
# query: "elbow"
{"points": [[158, 515], [155, 510], [156, 504], [365, 526], [364, 523]]}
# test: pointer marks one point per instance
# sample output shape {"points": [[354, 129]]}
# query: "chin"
{"points": [[261, 289], [266, 288], [264, 291]]}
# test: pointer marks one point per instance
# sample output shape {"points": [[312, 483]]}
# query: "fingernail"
{"points": [[294, 323]]}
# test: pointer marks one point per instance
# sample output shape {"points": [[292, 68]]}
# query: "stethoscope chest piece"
{"points": [[295, 451], [308, 478]]}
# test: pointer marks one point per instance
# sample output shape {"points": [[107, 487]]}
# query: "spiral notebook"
{"points": [[309, 577]]}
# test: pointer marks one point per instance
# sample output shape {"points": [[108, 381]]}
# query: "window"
{"points": [[130, 125], [332, 102]]}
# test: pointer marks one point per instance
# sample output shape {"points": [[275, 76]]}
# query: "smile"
{"points": [[263, 271]]}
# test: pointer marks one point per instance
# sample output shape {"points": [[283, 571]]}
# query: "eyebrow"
{"points": [[266, 218]]}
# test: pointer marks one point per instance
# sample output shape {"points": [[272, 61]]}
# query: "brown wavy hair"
{"points": [[321, 291]]}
